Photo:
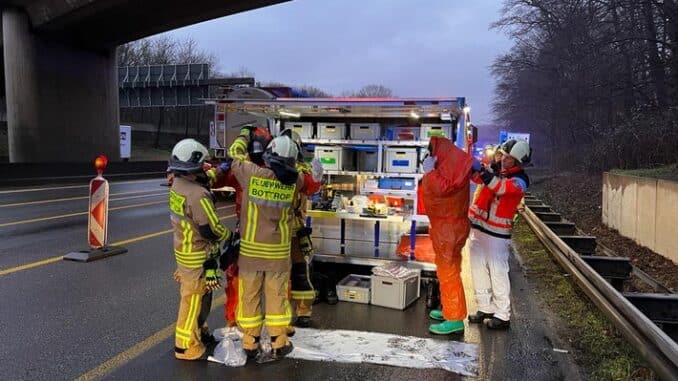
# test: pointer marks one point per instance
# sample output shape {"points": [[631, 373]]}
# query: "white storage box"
{"points": [[402, 160], [334, 158], [395, 293], [364, 131], [367, 161], [331, 130], [435, 129], [354, 288], [304, 129]]}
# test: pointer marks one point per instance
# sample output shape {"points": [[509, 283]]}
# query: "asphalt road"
{"points": [[113, 318]]}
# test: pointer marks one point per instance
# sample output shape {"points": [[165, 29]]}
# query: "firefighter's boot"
{"points": [[436, 314], [251, 345], [447, 327], [195, 352], [280, 347]]}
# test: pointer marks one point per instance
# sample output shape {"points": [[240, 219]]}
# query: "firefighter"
{"points": [[492, 215], [445, 194], [265, 237], [255, 151], [303, 293], [197, 235]]}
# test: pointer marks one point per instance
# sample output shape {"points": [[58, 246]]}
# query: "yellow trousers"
{"points": [[272, 286], [192, 289]]}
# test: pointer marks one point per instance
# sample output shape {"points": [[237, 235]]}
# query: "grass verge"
{"points": [[598, 347], [668, 172]]}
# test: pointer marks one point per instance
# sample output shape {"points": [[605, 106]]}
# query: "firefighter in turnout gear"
{"points": [[303, 293], [255, 150], [491, 218], [266, 230], [197, 237]]}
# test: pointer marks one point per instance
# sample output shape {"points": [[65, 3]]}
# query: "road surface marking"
{"points": [[75, 186], [81, 198], [119, 243], [137, 350], [40, 219]]}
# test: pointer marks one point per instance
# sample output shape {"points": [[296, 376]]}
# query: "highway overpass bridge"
{"points": [[60, 75]]}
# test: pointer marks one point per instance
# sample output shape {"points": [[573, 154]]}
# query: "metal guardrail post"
{"points": [[658, 349]]}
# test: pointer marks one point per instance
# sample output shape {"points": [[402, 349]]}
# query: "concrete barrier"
{"points": [[643, 209]]}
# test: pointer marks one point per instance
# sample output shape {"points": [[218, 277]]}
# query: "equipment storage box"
{"points": [[354, 288], [304, 129], [332, 131], [335, 158], [398, 159], [368, 160], [364, 131], [429, 130], [396, 183], [393, 292]]}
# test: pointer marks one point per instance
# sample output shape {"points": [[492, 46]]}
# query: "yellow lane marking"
{"points": [[119, 243], [76, 214], [137, 350], [81, 198], [75, 186]]}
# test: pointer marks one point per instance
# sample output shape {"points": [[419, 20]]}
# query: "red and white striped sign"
{"points": [[98, 212]]}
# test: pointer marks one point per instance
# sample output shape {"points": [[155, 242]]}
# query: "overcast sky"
{"points": [[416, 48]]}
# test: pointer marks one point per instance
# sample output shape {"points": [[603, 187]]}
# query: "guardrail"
{"points": [[655, 345]]}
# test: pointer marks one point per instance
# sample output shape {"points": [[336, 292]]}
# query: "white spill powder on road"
{"points": [[384, 349]]}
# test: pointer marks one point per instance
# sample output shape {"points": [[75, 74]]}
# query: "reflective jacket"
{"points": [[493, 210], [266, 213], [197, 228]]}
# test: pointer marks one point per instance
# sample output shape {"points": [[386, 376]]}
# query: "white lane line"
{"points": [[76, 198], [76, 186]]}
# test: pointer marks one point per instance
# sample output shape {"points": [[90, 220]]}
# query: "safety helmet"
{"points": [[257, 145], [296, 138], [518, 149], [188, 156], [283, 147]]}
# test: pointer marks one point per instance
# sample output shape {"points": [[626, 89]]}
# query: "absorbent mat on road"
{"points": [[384, 349]]}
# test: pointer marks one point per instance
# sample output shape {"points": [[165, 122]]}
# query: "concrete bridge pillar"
{"points": [[62, 101]]}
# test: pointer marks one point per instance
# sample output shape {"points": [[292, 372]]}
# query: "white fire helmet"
{"points": [[518, 149], [188, 156]]}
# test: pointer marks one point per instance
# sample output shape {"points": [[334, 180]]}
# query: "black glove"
{"points": [[486, 176], [212, 278], [305, 243], [230, 251]]}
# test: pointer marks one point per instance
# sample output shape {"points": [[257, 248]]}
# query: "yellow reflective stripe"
{"points": [[217, 227], [190, 253], [303, 295], [245, 322], [184, 232], [264, 245], [284, 226], [238, 149], [256, 254], [284, 319], [252, 220]]}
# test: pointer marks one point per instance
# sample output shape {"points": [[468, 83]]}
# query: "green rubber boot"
{"points": [[447, 327], [436, 314]]}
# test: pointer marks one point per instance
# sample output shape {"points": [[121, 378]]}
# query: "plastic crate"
{"points": [[364, 131], [396, 183], [304, 129], [354, 288], [368, 161], [332, 131], [335, 158], [401, 160], [429, 130], [395, 293]]}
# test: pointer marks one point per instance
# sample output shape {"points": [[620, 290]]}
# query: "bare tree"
{"points": [[373, 91]]}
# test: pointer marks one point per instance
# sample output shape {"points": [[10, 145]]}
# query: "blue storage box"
{"points": [[398, 183]]}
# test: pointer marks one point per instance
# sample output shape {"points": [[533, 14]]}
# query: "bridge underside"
{"points": [[60, 73]]}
